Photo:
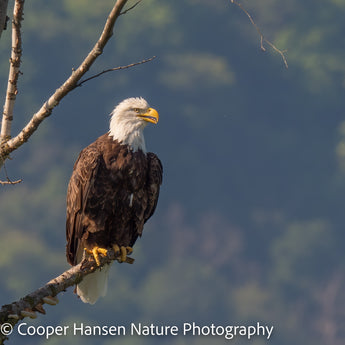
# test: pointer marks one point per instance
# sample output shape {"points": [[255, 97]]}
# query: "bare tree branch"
{"points": [[262, 37], [116, 69], [3, 15], [130, 8], [47, 108], [33, 302], [8, 180], [14, 72]]}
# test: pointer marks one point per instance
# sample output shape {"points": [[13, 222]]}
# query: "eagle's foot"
{"points": [[122, 252], [96, 251], [129, 250]]}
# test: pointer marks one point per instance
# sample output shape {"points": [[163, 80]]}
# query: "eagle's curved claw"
{"points": [[123, 255], [116, 250], [96, 251], [122, 252]]}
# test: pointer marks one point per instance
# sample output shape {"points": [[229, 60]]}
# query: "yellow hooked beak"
{"points": [[151, 115]]}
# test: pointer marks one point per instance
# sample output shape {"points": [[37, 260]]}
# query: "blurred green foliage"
{"points": [[249, 225]]}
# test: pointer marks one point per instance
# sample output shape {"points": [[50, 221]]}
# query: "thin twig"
{"points": [[3, 15], [14, 72], [8, 180], [33, 302], [116, 69], [66, 87], [262, 37], [130, 8]]}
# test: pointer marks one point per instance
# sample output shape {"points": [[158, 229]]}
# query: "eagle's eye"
{"points": [[137, 110]]}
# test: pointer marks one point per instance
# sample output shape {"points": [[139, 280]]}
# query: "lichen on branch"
{"points": [[32, 303]]}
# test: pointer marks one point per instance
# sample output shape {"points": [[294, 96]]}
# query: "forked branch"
{"points": [[131, 8], [47, 108], [262, 37], [8, 180]]}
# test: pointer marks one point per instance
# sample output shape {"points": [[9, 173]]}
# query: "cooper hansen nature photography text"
{"points": [[139, 329]]}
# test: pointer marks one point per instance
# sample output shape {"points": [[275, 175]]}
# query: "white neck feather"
{"points": [[125, 132]]}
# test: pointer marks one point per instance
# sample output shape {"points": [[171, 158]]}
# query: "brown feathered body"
{"points": [[113, 191]]}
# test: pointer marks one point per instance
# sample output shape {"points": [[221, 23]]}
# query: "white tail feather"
{"points": [[94, 285]]}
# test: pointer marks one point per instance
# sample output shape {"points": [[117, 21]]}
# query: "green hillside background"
{"points": [[250, 221]]}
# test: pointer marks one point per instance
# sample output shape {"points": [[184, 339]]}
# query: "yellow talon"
{"points": [[122, 252], [116, 249], [95, 252]]}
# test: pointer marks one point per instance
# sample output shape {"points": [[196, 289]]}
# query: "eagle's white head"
{"points": [[128, 120]]}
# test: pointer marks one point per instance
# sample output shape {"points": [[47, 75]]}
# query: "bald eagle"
{"points": [[112, 192]]}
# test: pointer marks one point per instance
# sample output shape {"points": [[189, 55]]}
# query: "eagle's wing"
{"points": [[154, 182], [81, 182]]}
